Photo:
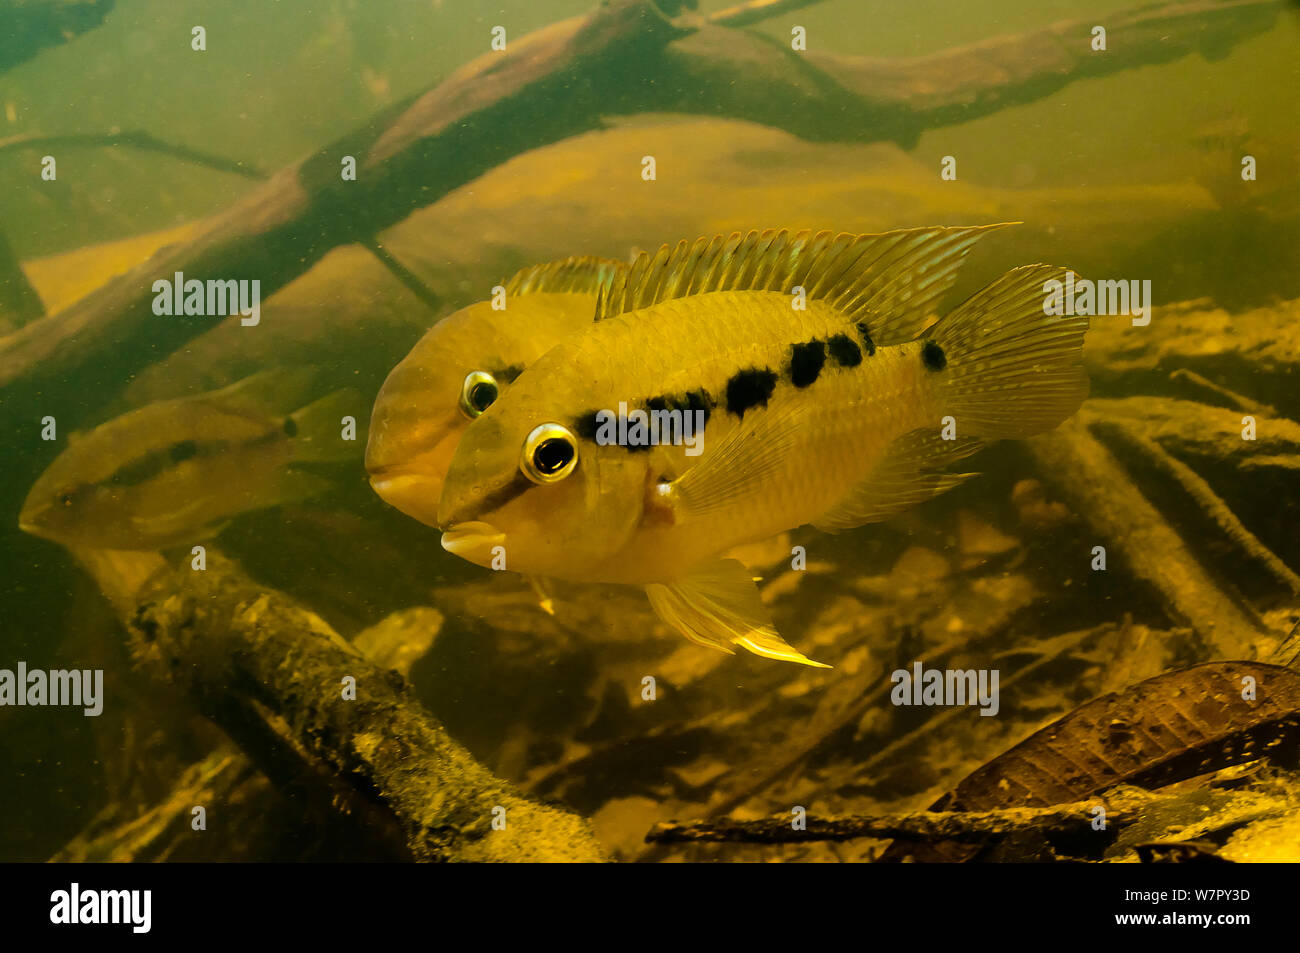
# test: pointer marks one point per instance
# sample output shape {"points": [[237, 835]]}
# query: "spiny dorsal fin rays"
{"points": [[890, 281], [579, 274], [894, 286]]}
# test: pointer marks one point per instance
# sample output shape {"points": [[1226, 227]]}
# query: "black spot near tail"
{"points": [[844, 351], [806, 362], [864, 333], [933, 357], [750, 388]]}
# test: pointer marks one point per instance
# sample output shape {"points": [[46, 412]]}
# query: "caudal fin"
{"points": [[1008, 369]]}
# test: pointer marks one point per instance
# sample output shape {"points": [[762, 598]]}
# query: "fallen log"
{"points": [[626, 57], [274, 676]]}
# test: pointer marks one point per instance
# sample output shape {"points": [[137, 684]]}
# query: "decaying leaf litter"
{"points": [[954, 584]]}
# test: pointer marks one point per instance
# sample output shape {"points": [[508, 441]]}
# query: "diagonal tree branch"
{"points": [[626, 57]]}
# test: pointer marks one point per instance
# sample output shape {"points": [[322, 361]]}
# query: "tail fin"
{"points": [[1009, 369], [317, 428]]}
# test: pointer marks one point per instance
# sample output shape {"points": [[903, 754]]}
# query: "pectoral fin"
{"points": [[738, 465], [718, 605], [908, 474]]}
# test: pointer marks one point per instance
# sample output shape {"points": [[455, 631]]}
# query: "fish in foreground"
{"points": [[175, 471], [833, 415], [461, 366]]}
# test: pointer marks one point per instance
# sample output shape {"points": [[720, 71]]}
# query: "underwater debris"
{"points": [[304, 211], [1165, 729], [381, 753]]}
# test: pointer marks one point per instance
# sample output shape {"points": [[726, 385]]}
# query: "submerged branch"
{"points": [[273, 675], [137, 139], [971, 827], [1097, 487], [625, 58]]}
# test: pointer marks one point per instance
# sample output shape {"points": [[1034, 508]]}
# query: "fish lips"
{"points": [[34, 517], [473, 541], [412, 483], [413, 492]]}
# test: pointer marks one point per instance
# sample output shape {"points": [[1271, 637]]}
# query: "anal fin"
{"points": [[908, 474], [717, 605]]}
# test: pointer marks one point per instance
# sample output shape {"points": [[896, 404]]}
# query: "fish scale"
{"points": [[849, 415], [536, 479]]}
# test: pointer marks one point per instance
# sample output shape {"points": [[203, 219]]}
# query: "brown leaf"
{"points": [[1162, 730]]}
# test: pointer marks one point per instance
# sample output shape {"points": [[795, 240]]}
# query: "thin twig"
{"points": [[979, 827], [137, 140], [756, 11]]}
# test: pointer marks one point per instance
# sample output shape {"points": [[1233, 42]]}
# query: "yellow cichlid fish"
{"points": [[173, 472], [461, 366], [836, 414]]}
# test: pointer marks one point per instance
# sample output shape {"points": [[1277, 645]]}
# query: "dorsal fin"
{"points": [[891, 281], [271, 393], [579, 274]]}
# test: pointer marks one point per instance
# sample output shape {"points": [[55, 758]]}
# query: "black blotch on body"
{"points": [[152, 464], [749, 388], [864, 333], [844, 351], [290, 426], [689, 402], [586, 425], [183, 450], [806, 362], [933, 357]]}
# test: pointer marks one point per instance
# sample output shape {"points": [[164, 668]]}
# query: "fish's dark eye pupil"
{"points": [[552, 456], [481, 395]]}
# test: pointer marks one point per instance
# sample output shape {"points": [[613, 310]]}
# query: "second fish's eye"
{"points": [[477, 393], [550, 453]]}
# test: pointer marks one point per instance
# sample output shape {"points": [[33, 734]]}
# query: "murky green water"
{"points": [[1147, 161]]}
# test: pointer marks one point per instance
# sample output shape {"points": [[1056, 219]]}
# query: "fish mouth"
{"points": [[411, 480], [31, 522], [473, 541], [412, 492]]}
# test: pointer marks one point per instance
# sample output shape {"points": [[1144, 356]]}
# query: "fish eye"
{"points": [[550, 454], [477, 393], [67, 496]]}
